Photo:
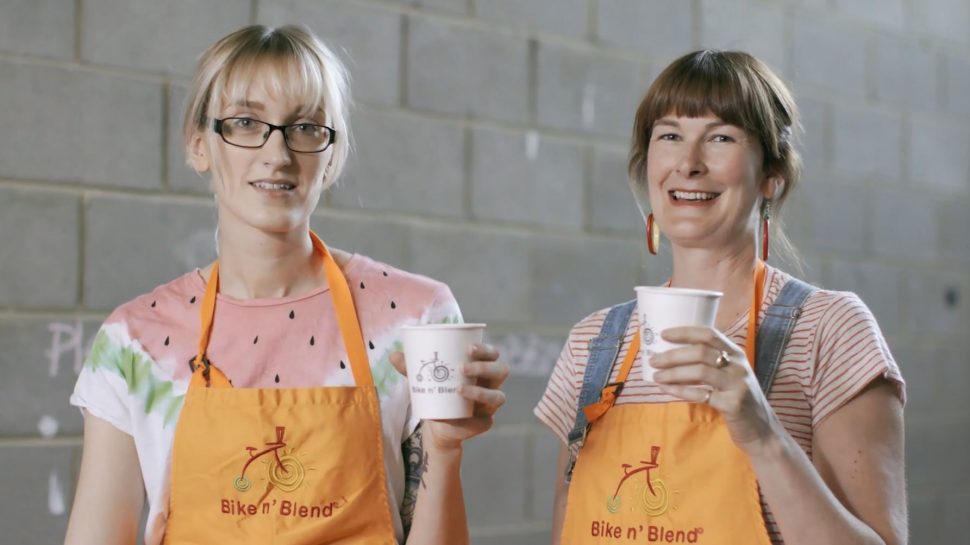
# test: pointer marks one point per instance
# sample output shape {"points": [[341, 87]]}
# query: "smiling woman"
{"points": [[261, 399], [781, 424]]}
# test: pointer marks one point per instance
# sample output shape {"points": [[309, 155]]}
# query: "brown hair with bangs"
{"points": [[740, 90]]}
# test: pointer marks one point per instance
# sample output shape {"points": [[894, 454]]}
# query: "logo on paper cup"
{"points": [[648, 335], [434, 369]]}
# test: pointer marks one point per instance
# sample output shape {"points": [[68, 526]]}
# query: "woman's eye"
{"points": [[668, 136], [242, 122], [721, 138]]}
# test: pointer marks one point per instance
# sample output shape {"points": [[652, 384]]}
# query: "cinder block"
{"points": [[955, 507], [922, 370], [404, 164], [939, 304], [661, 29], [379, 239], [954, 226], [523, 177], [156, 36], [753, 26], [904, 224], [575, 276], [884, 14], [881, 287], [930, 455], [522, 393], [494, 478], [545, 472], [813, 142], [459, 70], [567, 17], [834, 216], [489, 273], [611, 202], [952, 367], [943, 20], [40, 481], [904, 73], [588, 92], [518, 537], [79, 126], [133, 245], [957, 85], [829, 56], [450, 6], [39, 248], [938, 155], [925, 514], [367, 38], [41, 360], [38, 27], [877, 154]]}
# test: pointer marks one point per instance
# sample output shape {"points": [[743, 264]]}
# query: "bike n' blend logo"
{"points": [[648, 494], [434, 369], [281, 469]]}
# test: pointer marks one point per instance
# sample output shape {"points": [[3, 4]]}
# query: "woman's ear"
{"points": [[773, 187], [198, 153]]}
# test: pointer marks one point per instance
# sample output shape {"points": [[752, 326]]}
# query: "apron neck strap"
{"points": [[343, 303], [612, 390]]}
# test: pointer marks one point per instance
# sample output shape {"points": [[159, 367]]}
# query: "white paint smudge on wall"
{"points": [[198, 249], [66, 339], [589, 105], [529, 355], [532, 145], [48, 426], [55, 495]]}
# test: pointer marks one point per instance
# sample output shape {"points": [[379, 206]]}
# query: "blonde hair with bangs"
{"points": [[300, 65], [740, 90]]}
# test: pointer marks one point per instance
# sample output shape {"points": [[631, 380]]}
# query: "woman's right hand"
{"points": [[110, 490]]}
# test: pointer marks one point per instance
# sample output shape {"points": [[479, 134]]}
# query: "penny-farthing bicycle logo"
{"points": [[434, 369], [649, 337], [649, 494], [283, 469]]}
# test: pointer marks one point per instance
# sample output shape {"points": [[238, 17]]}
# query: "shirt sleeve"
{"points": [[851, 352], [100, 389], [558, 404]]}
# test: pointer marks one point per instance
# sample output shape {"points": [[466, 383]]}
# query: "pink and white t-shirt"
{"points": [[137, 372], [835, 350]]}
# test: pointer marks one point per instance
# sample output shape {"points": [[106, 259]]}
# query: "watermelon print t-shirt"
{"points": [[137, 372]]}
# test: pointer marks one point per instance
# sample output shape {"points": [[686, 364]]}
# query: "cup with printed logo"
{"points": [[660, 308], [435, 354]]}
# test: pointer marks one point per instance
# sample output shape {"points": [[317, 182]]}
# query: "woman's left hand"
{"points": [[489, 374], [698, 373]]}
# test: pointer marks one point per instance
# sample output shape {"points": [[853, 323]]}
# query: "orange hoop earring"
{"points": [[653, 235]]}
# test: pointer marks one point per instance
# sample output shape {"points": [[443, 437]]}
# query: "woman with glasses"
{"points": [[258, 400], [783, 423]]}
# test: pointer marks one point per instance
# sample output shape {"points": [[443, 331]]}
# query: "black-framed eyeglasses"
{"points": [[246, 132]]}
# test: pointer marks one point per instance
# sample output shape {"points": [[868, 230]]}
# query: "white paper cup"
{"points": [[434, 355], [661, 308]]}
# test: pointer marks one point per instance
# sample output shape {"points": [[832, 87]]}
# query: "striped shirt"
{"points": [[835, 350]]}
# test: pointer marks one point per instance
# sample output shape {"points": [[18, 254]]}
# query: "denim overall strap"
{"points": [[777, 327]]}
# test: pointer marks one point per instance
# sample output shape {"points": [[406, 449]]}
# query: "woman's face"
{"points": [[271, 188], [704, 179]]}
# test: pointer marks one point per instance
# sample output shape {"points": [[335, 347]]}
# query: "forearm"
{"points": [[439, 516], [804, 507]]}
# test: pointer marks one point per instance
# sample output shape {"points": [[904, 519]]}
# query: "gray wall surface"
{"points": [[491, 140]]}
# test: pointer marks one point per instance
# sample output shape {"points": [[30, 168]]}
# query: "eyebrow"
{"points": [[256, 105], [671, 123]]}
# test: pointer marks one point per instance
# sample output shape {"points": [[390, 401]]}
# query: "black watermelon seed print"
{"points": [[385, 273], [256, 340], [370, 344], [166, 341], [192, 300], [292, 315], [393, 305], [312, 341], [277, 379], [362, 284], [153, 303], [342, 364]]}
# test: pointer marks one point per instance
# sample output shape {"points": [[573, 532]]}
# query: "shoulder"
{"points": [[589, 328], [361, 268], [172, 301]]}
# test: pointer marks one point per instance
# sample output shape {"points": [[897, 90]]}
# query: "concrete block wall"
{"points": [[491, 138]]}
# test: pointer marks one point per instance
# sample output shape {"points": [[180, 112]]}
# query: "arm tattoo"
{"points": [[415, 465]]}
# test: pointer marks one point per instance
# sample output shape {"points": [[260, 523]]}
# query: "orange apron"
{"points": [[663, 472], [295, 466]]}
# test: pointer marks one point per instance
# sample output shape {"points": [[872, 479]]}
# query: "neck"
{"points": [[729, 270], [255, 264]]}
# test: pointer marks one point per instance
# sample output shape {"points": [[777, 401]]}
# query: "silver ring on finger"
{"points": [[723, 360], [707, 397]]}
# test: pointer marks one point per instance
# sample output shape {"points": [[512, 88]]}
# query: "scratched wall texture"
{"points": [[491, 137]]}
